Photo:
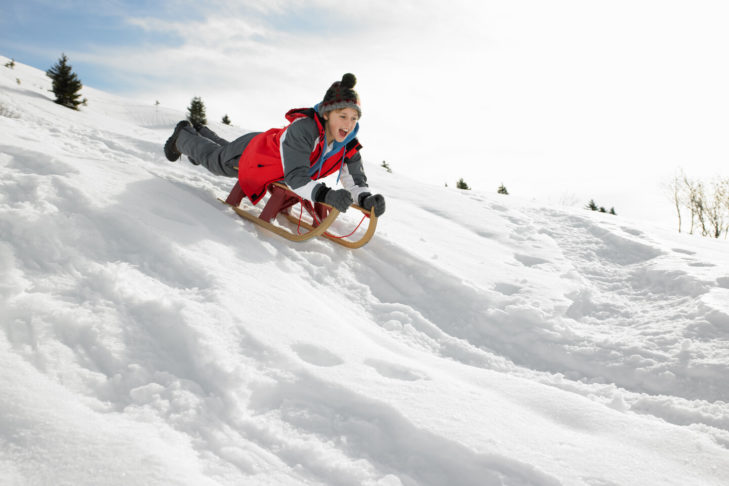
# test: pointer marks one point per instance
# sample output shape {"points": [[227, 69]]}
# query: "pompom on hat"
{"points": [[341, 94]]}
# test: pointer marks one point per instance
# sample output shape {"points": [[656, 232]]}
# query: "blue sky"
{"points": [[567, 100], [37, 32]]}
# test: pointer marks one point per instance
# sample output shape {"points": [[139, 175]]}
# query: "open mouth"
{"points": [[343, 133]]}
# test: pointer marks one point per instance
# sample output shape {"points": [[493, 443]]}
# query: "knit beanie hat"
{"points": [[341, 95]]}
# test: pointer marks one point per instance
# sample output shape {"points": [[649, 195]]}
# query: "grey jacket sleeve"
{"points": [[297, 142], [353, 177]]}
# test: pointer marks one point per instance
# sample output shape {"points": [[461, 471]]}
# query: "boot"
{"points": [[171, 151]]}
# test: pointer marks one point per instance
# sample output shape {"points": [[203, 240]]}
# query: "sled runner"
{"points": [[282, 200]]}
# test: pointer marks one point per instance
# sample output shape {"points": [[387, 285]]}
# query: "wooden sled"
{"points": [[282, 199]]}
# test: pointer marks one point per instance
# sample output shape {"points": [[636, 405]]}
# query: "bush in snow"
{"points": [[707, 204], [592, 206], [461, 184]]}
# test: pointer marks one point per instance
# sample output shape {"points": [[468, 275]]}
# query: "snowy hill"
{"points": [[152, 337]]}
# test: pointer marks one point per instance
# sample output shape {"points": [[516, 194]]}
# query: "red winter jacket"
{"points": [[260, 164]]}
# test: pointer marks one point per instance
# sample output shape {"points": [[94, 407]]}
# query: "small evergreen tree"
{"points": [[461, 184], [592, 206], [502, 190], [10, 64], [226, 120], [386, 166], [196, 112], [66, 85]]}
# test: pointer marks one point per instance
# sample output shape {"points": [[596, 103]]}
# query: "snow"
{"points": [[152, 337]]}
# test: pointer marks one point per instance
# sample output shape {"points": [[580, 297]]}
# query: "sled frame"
{"points": [[282, 199]]}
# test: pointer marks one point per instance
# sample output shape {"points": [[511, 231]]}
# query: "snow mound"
{"points": [[150, 336]]}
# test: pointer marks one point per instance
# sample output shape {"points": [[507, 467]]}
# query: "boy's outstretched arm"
{"points": [[355, 181]]}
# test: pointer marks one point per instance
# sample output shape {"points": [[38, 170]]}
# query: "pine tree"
{"points": [[66, 85], [196, 112], [226, 120], [10, 64], [461, 184], [592, 206], [502, 190]]}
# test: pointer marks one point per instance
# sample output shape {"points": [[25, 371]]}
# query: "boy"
{"points": [[318, 142]]}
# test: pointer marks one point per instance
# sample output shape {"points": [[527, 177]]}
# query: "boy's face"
{"points": [[339, 123]]}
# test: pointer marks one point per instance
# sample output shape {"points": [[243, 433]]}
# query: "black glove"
{"points": [[368, 201], [339, 198]]}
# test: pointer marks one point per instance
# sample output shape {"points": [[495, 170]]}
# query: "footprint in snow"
{"points": [[396, 371], [632, 231], [506, 288], [529, 261], [316, 355], [685, 252], [701, 264]]}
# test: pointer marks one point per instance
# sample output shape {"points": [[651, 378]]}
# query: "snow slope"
{"points": [[152, 337]]}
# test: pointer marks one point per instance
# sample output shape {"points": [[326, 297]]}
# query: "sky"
{"points": [[563, 101]]}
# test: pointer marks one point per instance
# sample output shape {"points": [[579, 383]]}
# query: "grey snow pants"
{"points": [[212, 152]]}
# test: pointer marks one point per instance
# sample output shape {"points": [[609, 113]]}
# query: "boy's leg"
{"points": [[211, 135], [206, 132], [220, 160]]}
